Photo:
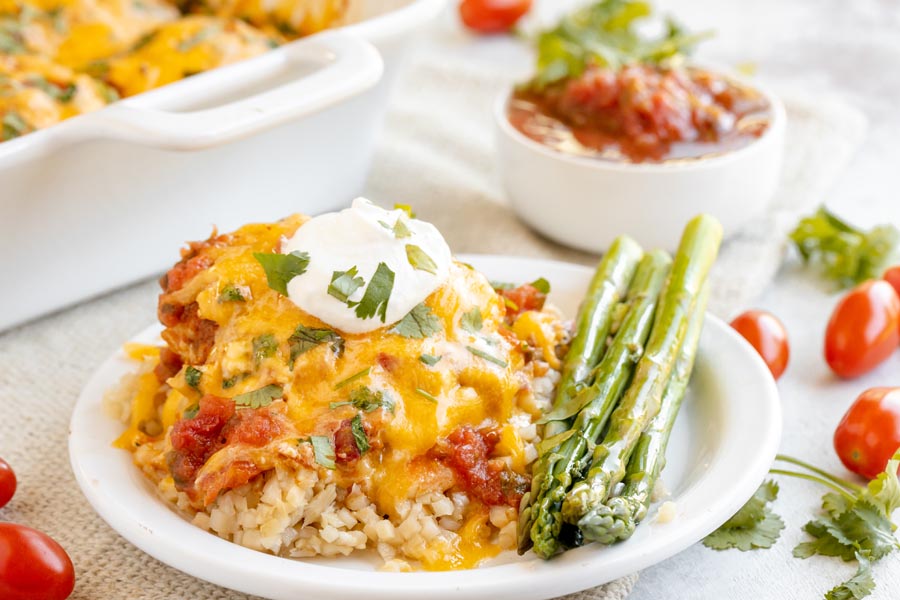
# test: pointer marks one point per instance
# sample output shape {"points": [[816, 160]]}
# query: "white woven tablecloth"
{"points": [[437, 155]]}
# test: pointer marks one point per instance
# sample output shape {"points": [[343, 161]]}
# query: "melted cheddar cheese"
{"points": [[233, 335], [124, 47]]}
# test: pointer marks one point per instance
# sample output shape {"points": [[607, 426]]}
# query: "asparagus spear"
{"points": [[695, 256], [609, 284], [560, 464], [617, 519]]}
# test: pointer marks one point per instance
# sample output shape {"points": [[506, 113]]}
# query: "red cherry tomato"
{"points": [[869, 433], [492, 16], [864, 329], [892, 276], [7, 483], [768, 336], [33, 566]]}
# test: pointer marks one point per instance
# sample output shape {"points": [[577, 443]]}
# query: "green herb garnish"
{"points": [[426, 395], [855, 523], [472, 321], [12, 126], [419, 323], [231, 293], [281, 268], [305, 339], [429, 359], [366, 400], [232, 381], [487, 357], [501, 285], [323, 448], [259, 398], [420, 260], [192, 377], [541, 285], [375, 301], [365, 372], [401, 230], [844, 253], [191, 411], [605, 34], [753, 526], [344, 284], [359, 434], [264, 346]]}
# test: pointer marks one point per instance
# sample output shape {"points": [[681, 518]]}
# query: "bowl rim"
{"points": [[775, 132]]}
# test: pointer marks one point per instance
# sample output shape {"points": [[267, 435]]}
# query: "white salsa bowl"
{"points": [[586, 202]]}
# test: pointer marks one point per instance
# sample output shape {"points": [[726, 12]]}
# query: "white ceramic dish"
{"points": [[586, 202], [296, 124], [723, 443]]}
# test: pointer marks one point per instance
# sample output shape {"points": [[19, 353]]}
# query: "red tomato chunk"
{"points": [[468, 454]]}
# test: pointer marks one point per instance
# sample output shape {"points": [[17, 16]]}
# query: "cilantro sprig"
{"points": [[844, 253], [855, 523], [606, 34], [345, 283], [367, 400]]}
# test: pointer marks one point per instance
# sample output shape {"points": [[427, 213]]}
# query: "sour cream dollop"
{"points": [[364, 236]]}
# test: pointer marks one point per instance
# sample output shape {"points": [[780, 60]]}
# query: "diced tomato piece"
{"points": [[195, 440], [523, 298]]}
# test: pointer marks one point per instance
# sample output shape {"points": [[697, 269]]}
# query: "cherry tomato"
{"points": [[892, 276], [492, 16], [869, 433], [7, 483], [864, 329], [768, 336], [33, 566]]}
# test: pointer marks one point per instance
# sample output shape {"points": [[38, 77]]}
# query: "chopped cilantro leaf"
{"points": [[232, 381], [378, 293], [281, 268], [472, 320], [541, 285], [418, 323], [264, 346], [13, 125], [359, 434], [191, 411], [420, 260], [487, 357], [430, 360], [231, 293], [323, 448], [259, 398], [192, 377], [400, 229], [426, 395], [305, 339], [366, 400], [344, 284], [353, 378]]}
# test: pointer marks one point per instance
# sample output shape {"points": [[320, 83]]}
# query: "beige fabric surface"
{"points": [[437, 156]]}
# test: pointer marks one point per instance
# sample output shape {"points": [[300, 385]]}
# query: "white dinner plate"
{"points": [[724, 441]]}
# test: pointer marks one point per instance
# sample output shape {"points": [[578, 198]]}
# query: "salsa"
{"points": [[642, 113]]}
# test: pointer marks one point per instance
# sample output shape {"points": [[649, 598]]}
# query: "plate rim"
{"points": [[239, 568]]}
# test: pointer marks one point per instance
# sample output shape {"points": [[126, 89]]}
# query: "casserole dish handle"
{"points": [[353, 67]]}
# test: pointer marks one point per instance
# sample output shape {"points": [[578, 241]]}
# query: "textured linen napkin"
{"points": [[437, 154]]}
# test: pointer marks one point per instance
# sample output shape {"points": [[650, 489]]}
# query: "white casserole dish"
{"points": [[102, 199]]}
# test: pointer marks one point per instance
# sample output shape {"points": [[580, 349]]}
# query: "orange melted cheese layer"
{"points": [[430, 402]]}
